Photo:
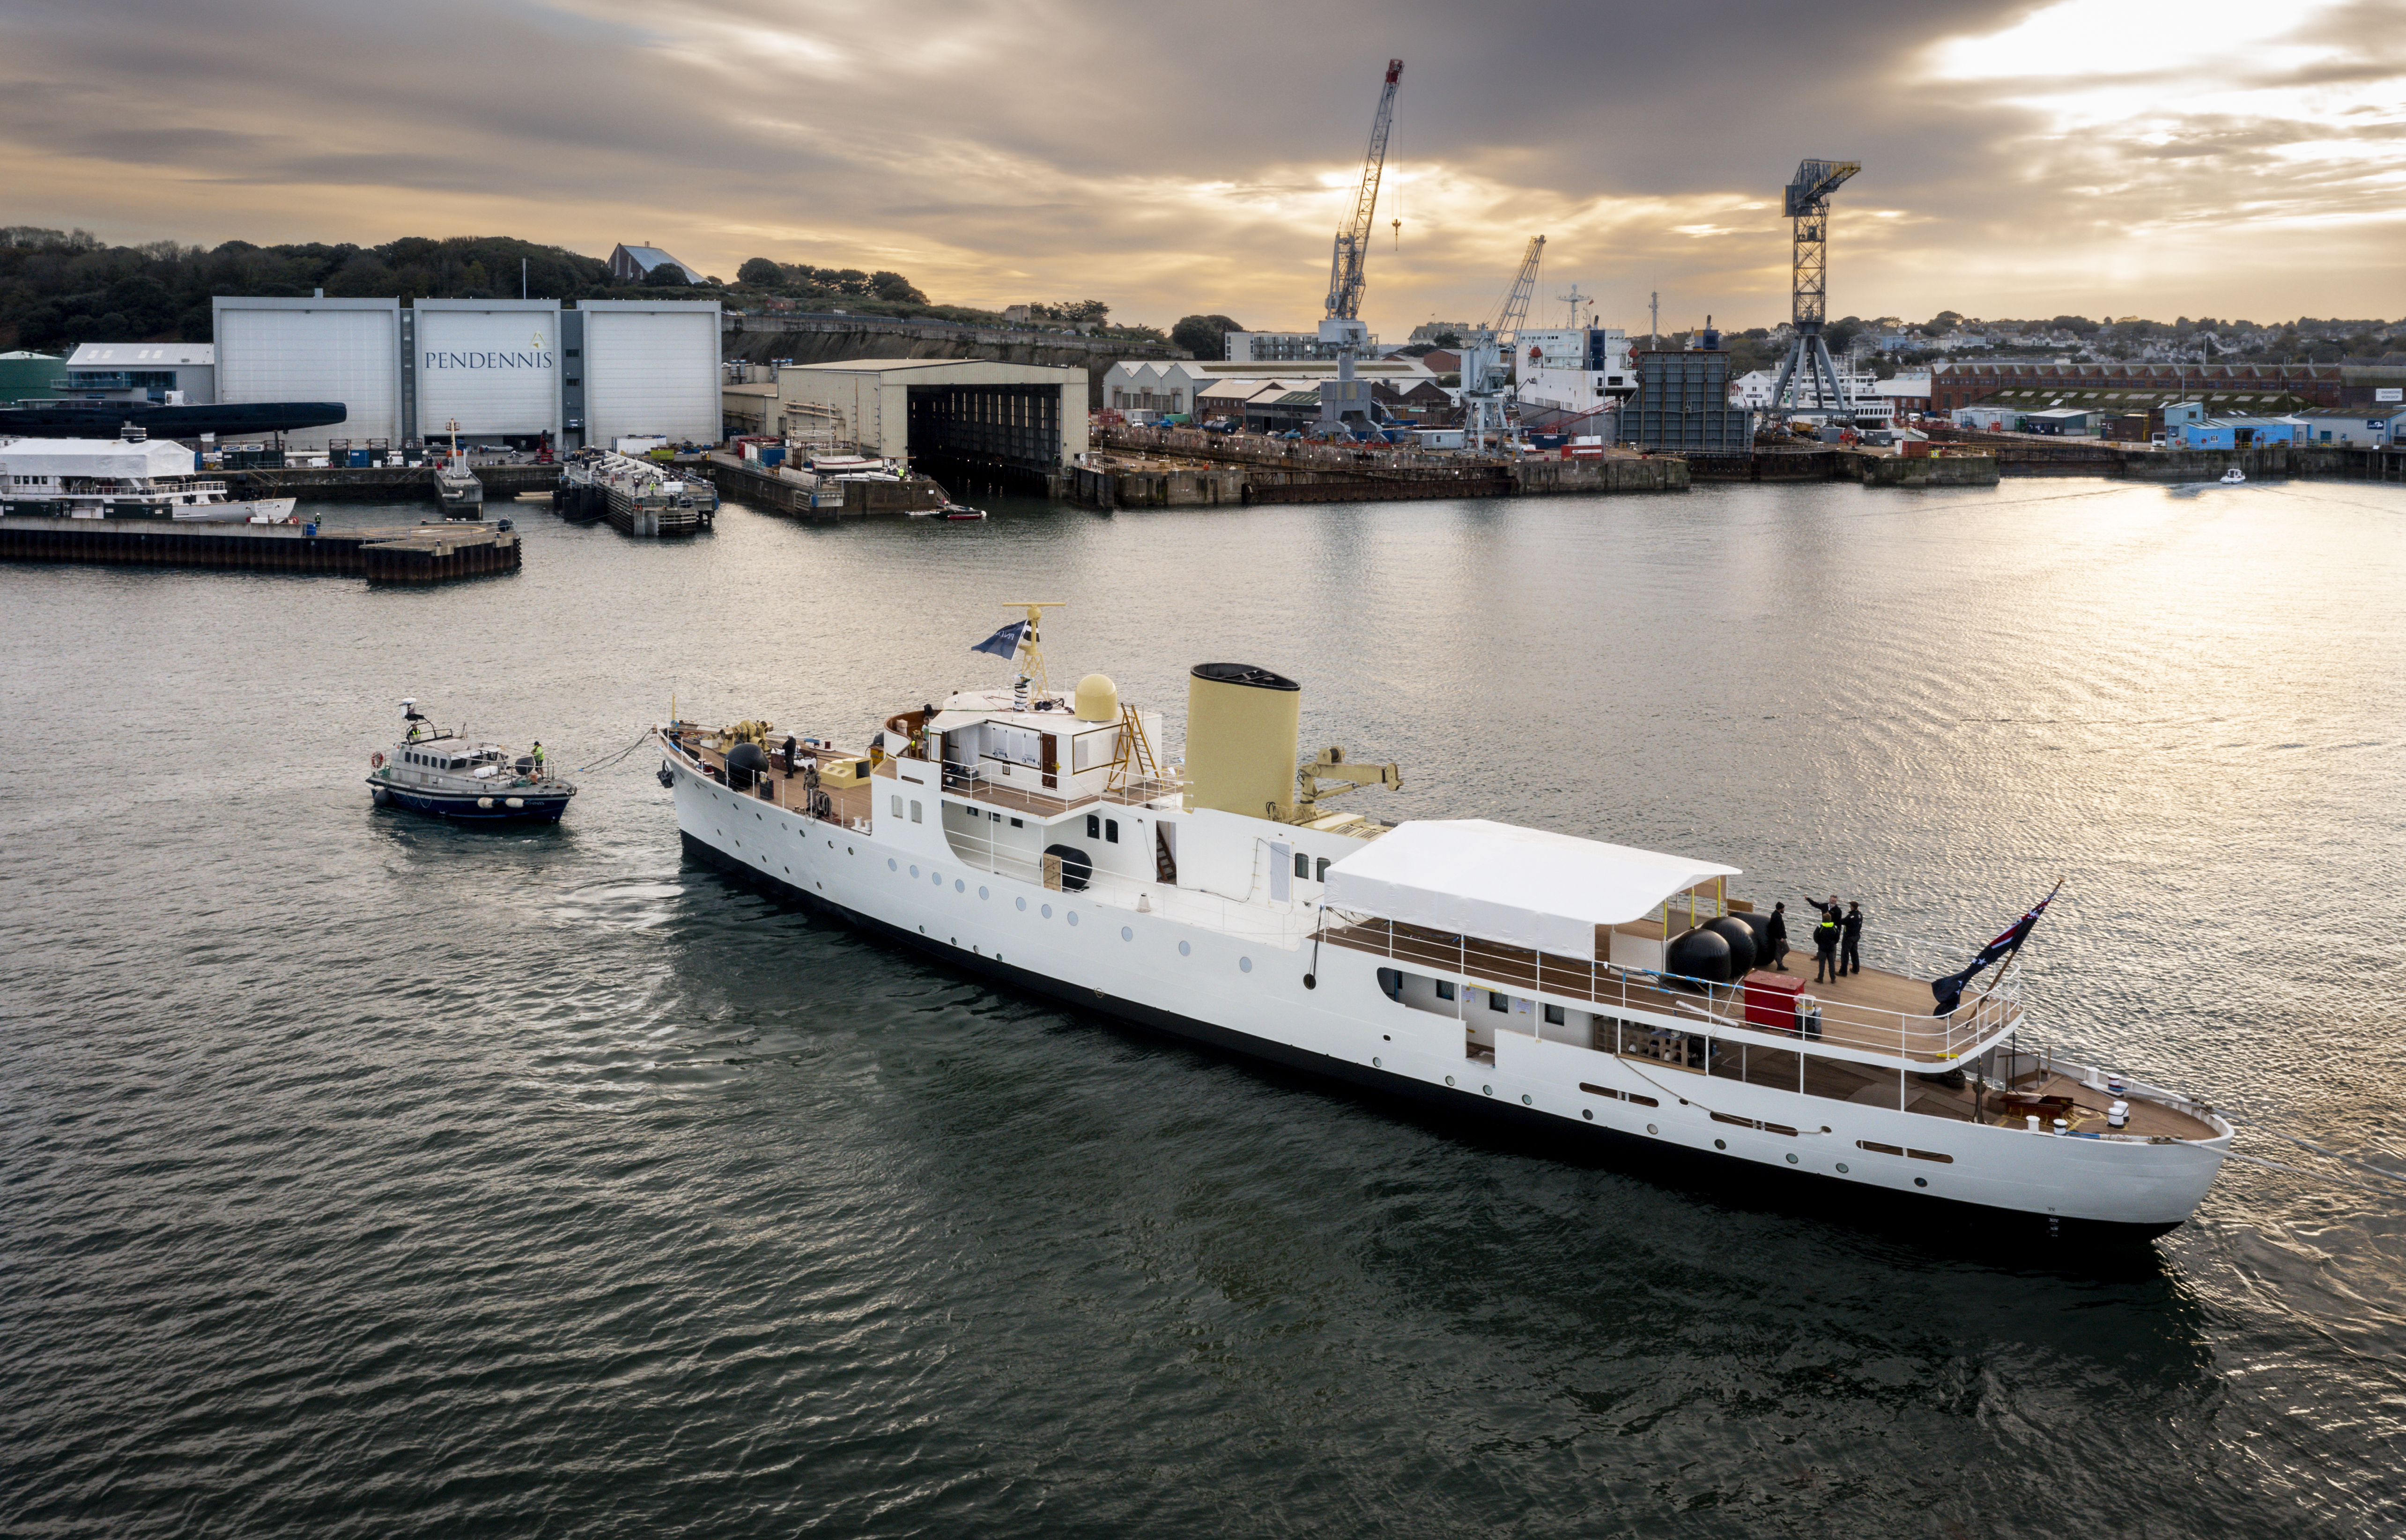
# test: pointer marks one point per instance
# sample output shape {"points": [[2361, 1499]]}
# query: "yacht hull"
{"points": [[533, 809], [1323, 1012]]}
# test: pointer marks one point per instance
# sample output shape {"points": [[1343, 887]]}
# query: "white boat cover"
{"points": [[1501, 883], [94, 458]]}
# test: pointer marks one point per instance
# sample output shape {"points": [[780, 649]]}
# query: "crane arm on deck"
{"points": [[1345, 265]]}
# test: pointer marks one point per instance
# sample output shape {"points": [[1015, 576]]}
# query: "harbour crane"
{"points": [[1806, 201], [1353, 250], [1485, 376]]}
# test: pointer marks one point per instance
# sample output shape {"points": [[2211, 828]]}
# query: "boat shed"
{"points": [[1521, 886], [968, 422]]}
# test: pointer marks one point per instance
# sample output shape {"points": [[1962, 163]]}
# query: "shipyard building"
{"points": [[514, 371]]}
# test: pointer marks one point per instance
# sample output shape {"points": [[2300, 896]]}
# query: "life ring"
{"points": [[376, 760]]}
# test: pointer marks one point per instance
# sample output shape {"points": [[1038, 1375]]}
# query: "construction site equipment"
{"points": [[1486, 377], [1352, 249], [1807, 366]]}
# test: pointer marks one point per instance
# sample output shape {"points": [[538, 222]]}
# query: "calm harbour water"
{"points": [[363, 1176]]}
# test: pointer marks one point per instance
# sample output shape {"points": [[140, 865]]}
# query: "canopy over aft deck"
{"points": [[1522, 886]]}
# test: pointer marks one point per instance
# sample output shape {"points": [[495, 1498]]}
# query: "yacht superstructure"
{"points": [[1583, 987], [133, 477]]}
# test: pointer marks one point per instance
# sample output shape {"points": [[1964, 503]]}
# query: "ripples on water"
{"points": [[363, 1176]]}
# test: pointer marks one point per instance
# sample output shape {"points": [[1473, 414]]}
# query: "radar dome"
{"points": [[1098, 699]]}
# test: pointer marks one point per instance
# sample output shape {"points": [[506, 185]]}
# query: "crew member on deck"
{"points": [[538, 758], [1775, 938], [1825, 941], [1850, 943]]}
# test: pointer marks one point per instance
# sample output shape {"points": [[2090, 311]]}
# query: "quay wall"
{"points": [[426, 554], [381, 483]]}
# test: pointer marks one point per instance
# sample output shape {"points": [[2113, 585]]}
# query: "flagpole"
{"points": [[2007, 960]]}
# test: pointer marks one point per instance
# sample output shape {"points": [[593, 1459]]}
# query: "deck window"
{"points": [[1324, 869], [1445, 989], [915, 811], [1302, 865], [1497, 1002], [1110, 831], [1094, 826], [1553, 1015], [898, 804]]}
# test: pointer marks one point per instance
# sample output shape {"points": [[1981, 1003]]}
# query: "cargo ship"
{"points": [[639, 497], [1588, 989]]}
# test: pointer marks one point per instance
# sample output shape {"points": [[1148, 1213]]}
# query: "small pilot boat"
{"points": [[2233, 476], [958, 511], [448, 774]]}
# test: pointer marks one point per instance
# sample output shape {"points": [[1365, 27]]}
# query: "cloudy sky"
{"points": [[2025, 157]]}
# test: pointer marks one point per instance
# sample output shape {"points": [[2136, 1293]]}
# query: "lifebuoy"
{"points": [[376, 760]]}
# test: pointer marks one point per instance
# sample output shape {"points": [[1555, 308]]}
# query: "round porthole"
{"points": [[1651, 1129], [889, 864], [1526, 1102], [1244, 965], [1072, 914], [1376, 1064], [937, 878], [1185, 949], [1487, 1091], [1022, 905], [1721, 1144], [981, 893], [1048, 911], [914, 871], [1842, 1168], [1126, 934], [1922, 1181], [1449, 1079], [1588, 1113], [958, 885], [1792, 1160]]}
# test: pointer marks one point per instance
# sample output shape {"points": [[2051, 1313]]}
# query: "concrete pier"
{"points": [[380, 483], [427, 553], [1181, 468]]}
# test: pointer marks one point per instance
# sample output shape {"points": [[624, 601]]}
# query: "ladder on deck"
{"points": [[1135, 753]]}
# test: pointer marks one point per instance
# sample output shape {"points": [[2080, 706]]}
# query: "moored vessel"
{"points": [[131, 476], [639, 497], [1586, 989], [453, 776]]}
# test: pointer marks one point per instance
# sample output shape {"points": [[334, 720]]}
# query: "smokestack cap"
{"points": [[1244, 674]]}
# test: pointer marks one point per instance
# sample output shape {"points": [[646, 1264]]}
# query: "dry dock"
{"points": [[426, 553]]}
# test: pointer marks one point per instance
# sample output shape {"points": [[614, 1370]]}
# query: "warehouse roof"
{"points": [[127, 355]]}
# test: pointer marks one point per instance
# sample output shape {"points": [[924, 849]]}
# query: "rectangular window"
{"points": [[1110, 831], [1302, 865], [1445, 989], [914, 811], [1094, 826], [1018, 824], [898, 804], [1553, 1015], [1324, 869], [1497, 1000]]}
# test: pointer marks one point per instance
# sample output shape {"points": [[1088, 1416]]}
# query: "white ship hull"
{"points": [[1236, 976]]}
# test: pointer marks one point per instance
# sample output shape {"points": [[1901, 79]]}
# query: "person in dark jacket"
{"points": [[1825, 941], [1774, 938], [1850, 940]]}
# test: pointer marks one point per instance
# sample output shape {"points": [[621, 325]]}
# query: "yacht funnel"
{"points": [[1241, 725]]}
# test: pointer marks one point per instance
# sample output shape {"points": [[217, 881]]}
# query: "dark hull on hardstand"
{"points": [[539, 808], [1726, 1177], [104, 418]]}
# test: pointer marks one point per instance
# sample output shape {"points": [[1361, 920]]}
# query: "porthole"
{"points": [[1721, 1144], [1922, 1181], [981, 893], [1375, 1064], [1449, 1079], [1651, 1129], [1244, 965], [1842, 1168], [1526, 1102], [1185, 949], [1126, 934], [1048, 911], [1587, 1114], [1022, 905], [1792, 1160], [958, 885], [1073, 916], [937, 878], [914, 871], [1487, 1091]]}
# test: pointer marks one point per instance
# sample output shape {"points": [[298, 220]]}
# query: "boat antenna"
{"points": [[1031, 648]]}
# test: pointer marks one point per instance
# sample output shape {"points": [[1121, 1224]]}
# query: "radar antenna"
{"points": [[1031, 648]]}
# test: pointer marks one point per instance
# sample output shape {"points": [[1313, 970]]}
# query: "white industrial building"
{"points": [[967, 422], [507, 371], [184, 372], [1173, 385]]}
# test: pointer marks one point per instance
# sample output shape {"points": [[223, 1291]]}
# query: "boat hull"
{"points": [[1325, 1014], [535, 807]]}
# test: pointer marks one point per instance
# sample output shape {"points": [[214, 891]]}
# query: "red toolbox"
{"points": [[1771, 1000]]}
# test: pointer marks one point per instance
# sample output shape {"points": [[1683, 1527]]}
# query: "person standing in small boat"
{"points": [[538, 758]]}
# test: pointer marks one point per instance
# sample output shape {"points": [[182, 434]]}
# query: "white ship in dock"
{"points": [[639, 497], [134, 476], [1559, 983]]}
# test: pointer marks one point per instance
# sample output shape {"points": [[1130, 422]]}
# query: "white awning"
{"points": [[1500, 882], [107, 457]]}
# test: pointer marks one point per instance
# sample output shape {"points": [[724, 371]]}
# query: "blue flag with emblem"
{"points": [[1004, 643], [1948, 991]]}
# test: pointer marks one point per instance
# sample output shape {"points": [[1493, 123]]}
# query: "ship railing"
{"points": [[1925, 1038]]}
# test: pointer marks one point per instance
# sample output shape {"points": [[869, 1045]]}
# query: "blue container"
{"points": [[773, 454], [360, 458]]}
